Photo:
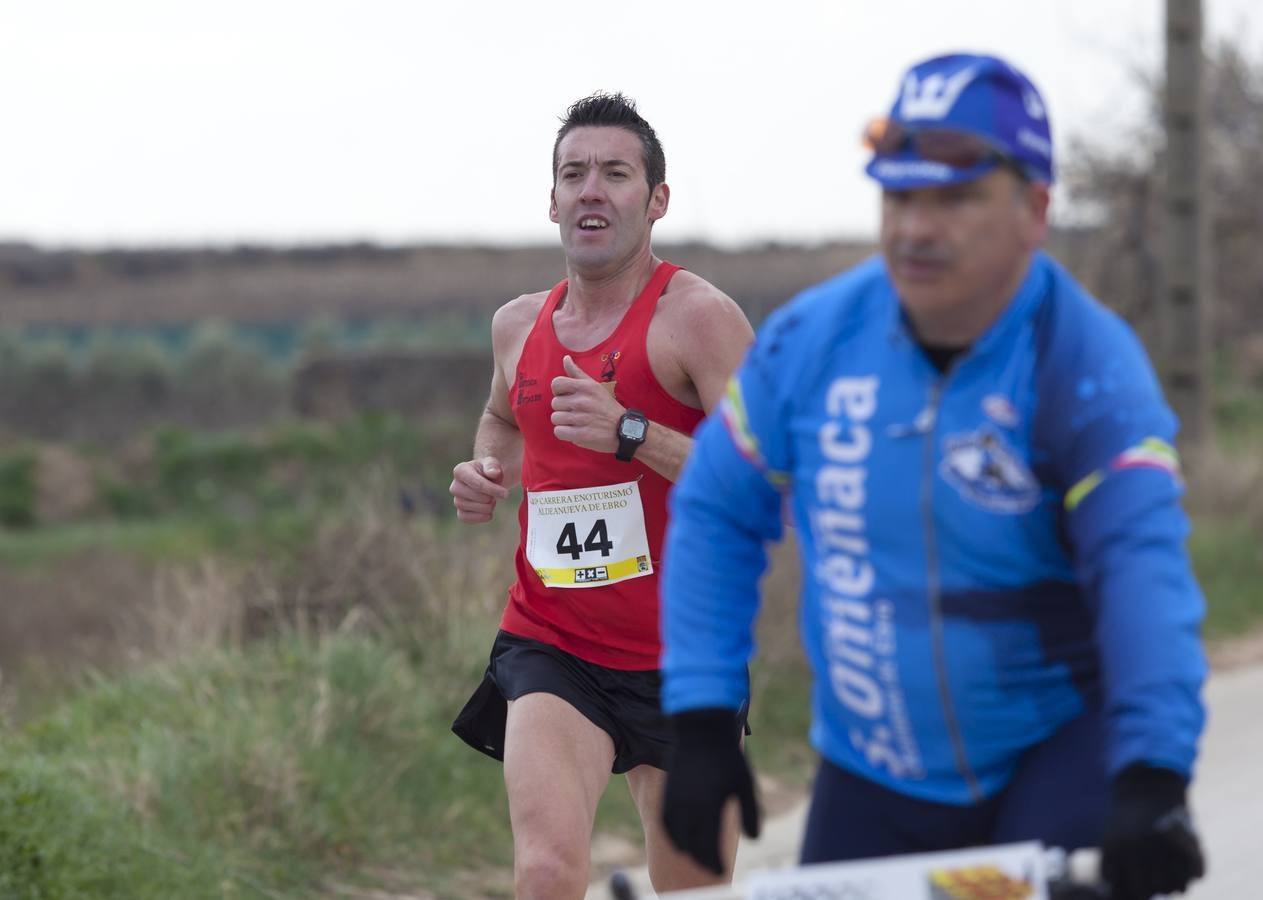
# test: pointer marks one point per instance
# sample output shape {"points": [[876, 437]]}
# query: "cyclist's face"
{"points": [[957, 253]]}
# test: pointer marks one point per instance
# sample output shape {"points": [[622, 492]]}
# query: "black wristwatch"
{"points": [[632, 428]]}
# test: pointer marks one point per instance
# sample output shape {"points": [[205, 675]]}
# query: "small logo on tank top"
{"points": [[609, 374], [525, 392], [607, 364]]}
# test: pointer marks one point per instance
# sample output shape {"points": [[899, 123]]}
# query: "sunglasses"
{"points": [[957, 149]]}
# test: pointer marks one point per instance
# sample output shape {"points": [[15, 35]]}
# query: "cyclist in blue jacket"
{"points": [[997, 604]]}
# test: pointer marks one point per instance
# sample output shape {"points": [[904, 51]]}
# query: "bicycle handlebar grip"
{"points": [[1075, 875], [1083, 866], [621, 886]]}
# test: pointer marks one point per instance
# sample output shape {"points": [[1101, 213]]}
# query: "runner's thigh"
{"points": [[556, 766], [669, 868]]}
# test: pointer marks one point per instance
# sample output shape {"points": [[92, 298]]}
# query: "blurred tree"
{"points": [[223, 379], [1118, 182], [319, 337]]}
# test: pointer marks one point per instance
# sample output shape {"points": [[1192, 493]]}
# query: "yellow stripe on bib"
{"points": [[585, 576]]}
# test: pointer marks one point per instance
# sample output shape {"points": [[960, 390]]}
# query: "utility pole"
{"points": [[1185, 362]]}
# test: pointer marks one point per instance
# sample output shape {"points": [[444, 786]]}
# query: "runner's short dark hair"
{"points": [[615, 111]]}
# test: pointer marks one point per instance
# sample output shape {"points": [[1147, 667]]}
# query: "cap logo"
{"points": [[1034, 106], [1035, 142], [934, 97]]}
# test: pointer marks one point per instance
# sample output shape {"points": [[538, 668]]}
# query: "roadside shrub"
{"points": [[127, 501], [60, 841], [18, 490]]}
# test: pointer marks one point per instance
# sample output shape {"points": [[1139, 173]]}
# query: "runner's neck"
{"points": [[595, 297]]}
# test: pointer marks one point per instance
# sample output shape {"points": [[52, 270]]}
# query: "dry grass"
{"points": [[421, 580], [52, 627], [378, 569], [370, 569]]}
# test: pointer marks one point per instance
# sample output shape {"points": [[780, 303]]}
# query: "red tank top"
{"points": [[613, 625]]}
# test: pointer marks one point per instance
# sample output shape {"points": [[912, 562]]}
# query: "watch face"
{"points": [[632, 429]]}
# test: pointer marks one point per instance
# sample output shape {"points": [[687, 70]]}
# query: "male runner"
{"points": [[597, 387]]}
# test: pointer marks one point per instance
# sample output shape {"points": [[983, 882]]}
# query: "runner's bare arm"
{"points": [[695, 348], [706, 337], [496, 466], [709, 337], [584, 413]]}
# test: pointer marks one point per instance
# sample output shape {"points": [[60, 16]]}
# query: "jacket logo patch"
{"points": [[988, 472], [1000, 409]]}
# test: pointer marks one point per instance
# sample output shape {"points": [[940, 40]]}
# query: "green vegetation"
{"points": [[1228, 559], [293, 764], [1239, 412], [170, 539], [306, 761], [17, 489], [101, 387], [275, 720], [166, 349], [183, 493], [287, 468], [271, 746], [45, 821]]}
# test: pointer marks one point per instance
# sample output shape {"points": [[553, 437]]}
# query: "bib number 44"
{"points": [[587, 537], [598, 540]]}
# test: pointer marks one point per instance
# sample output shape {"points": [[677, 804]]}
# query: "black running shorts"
{"points": [[624, 704]]}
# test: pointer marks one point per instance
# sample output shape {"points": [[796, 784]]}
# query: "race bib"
{"points": [[587, 537]]}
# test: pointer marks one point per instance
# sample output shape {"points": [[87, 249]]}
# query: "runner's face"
{"points": [[600, 198], [960, 250]]}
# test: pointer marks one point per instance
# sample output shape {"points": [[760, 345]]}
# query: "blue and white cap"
{"points": [[976, 95]]}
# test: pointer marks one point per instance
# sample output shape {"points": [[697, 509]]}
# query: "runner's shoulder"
{"points": [[693, 301], [514, 319]]}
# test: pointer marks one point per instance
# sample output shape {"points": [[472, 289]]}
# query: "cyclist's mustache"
{"points": [[921, 253]]}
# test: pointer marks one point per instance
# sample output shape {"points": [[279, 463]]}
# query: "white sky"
{"points": [[169, 121]]}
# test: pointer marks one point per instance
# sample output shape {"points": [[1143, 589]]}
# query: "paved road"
{"points": [[1227, 800], [1228, 790]]}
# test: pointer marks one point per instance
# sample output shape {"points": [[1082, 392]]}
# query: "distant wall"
{"points": [[415, 385], [162, 292], [259, 285], [457, 288]]}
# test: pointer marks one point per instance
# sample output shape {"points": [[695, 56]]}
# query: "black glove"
{"points": [[707, 767], [1150, 846]]}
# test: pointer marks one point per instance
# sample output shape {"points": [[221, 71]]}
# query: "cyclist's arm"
{"points": [[726, 506], [1127, 532]]}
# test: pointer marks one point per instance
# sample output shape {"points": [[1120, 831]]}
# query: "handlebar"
{"points": [[1075, 875], [1070, 876]]}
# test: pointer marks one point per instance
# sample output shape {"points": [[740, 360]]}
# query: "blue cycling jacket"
{"points": [[985, 553]]}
